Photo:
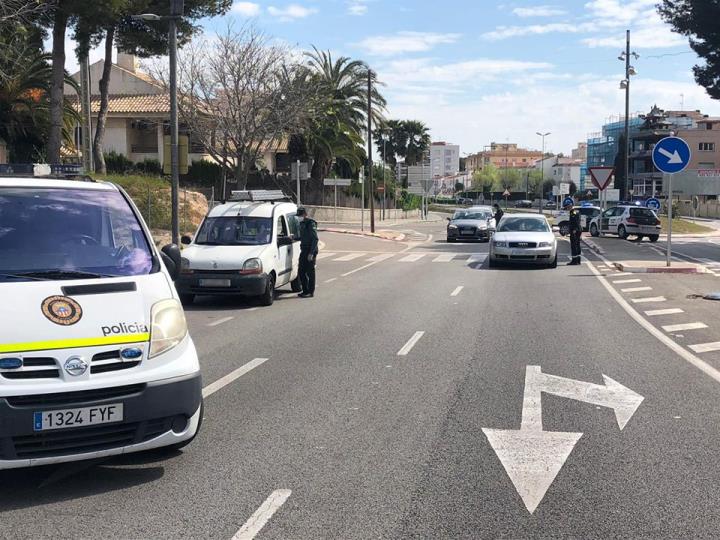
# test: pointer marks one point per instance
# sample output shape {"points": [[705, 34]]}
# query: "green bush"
{"points": [[204, 173], [149, 166], [150, 194], [409, 202], [118, 163]]}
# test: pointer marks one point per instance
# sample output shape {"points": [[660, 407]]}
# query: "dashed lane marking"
{"points": [[232, 376], [457, 290], [410, 344], [330, 280], [685, 326], [636, 289], [648, 299], [221, 321], [657, 312], [706, 347], [621, 281], [262, 515]]}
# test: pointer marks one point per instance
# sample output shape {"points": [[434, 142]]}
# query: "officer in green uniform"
{"points": [[308, 253], [575, 232]]}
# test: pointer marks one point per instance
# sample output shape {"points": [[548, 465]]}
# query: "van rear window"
{"points": [[69, 234]]}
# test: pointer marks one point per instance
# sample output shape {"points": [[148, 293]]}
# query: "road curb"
{"points": [[397, 237], [593, 246], [645, 269]]}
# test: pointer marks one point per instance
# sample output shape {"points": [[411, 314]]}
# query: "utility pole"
{"points": [[542, 167], [369, 156], [626, 150], [85, 107]]}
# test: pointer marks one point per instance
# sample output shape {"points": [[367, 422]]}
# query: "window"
{"points": [[293, 224], [707, 147], [281, 227], [706, 165]]}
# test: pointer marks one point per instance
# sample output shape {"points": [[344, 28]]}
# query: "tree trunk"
{"points": [[55, 137], [104, 101]]}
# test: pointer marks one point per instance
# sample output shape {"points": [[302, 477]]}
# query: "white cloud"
{"points": [[619, 13], [538, 11], [505, 32], [357, 7], [246, 9], [650, 32], [291, 12], [405, 42]]}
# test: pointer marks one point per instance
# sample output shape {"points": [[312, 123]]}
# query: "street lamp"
{"points": [[176, 12], [625, 85], [542, 167]]}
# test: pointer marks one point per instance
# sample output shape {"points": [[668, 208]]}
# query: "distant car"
{"points": [[464, 201], [587, 213], [550, 205], [474, 223], [523, 204], [627, 221], [524, 238]]}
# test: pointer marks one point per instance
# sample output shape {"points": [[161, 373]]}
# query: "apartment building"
{"points": [[444, 159], [503, 155]]}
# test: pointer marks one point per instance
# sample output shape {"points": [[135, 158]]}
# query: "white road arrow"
{"points": [[532, 457], [673, 159]]}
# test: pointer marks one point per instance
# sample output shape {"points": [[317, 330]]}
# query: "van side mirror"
{"points": [[449, 219], [185, 240], [284, 240], [171, 257]]}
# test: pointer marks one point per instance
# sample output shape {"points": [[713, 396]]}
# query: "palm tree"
{"points": [[391, 141], [418, 141], [340, 113]]}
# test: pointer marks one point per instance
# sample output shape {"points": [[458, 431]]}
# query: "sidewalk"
{"points": [[629, 257], [384, 234]]}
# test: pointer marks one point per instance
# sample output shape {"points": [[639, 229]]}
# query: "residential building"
{"points": [[562, 170], [580, 152], [503, 155], [444, 159], [139, 116]]}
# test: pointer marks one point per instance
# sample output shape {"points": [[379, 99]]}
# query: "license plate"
{"points": [[214, 282], [520, 252], [467, 233], [81, 417]]}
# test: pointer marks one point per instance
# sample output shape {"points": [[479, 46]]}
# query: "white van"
{"points": [[247, 247], [95, 356]]}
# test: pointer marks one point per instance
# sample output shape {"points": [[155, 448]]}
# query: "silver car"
{"points": [[524, 238]]}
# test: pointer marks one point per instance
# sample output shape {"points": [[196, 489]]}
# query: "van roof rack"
{"points": [[259, 195], [57, 171]]}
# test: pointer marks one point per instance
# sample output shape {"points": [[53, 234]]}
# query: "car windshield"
{"points": [[69, 234], [472, 214], [523, 224], [235, 231]]}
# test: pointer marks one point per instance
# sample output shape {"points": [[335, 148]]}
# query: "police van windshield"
{"points": [[69, 234], [235, 231]]}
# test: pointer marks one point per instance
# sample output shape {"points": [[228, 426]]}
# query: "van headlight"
{"points": [[252, 266], [167, 327], [185, 266]]}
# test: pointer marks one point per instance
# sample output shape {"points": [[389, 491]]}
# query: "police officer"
{"points": [[308, 253], [575, 232], [498, 214]]}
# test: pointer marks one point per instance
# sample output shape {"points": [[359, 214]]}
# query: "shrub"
{"points": [[204, 173], [118, 163], [149, 166]]}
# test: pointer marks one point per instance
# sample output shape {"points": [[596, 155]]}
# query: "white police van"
{"points": [[95, 356], [246, 247]]}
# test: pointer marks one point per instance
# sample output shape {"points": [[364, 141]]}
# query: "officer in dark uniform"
{"points": [[575, 232], [308, 253]]}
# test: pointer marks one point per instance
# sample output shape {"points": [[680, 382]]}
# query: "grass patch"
{"points": [[682, 226]]}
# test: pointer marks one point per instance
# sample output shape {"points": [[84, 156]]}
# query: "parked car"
{"points": [[248, 247], [95, 355], [587, 213], [523, 204], [627, 221], [524, 238], [475, 223], [550, 205]]}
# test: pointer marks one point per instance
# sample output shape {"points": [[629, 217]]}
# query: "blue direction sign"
{"points": [[671, 155], [653, 203], [568, 201]]}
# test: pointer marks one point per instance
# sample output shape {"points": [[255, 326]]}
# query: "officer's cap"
{"points": [[301, 211]]}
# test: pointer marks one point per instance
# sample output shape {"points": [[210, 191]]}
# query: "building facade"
{"points": [[444, 159], [503, 155]]}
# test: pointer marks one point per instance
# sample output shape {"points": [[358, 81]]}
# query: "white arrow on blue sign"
{"points": [[653, 203], [671, 155], [568, 201]]}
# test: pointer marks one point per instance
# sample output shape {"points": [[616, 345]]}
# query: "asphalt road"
{"points": [[334, 434]]}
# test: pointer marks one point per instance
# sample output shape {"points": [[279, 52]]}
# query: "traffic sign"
{"points": [[612, 194], [556, 190], [601, 176], [564, 188], [653, 203], [671, 155], [506, 193], [337, 181], [568, 201]]}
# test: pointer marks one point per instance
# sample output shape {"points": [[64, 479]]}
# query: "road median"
{"points": [[626, 257]]}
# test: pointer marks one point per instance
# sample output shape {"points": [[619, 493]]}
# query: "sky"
{"points": [[479, 71]]}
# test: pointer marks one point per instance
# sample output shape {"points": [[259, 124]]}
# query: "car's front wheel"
{"points": [[622, 232], [594, 230], [564, 228]]}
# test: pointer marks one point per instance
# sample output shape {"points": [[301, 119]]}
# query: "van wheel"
{"points": [[187, 299], [594, 230], [564, 228], [268, 297], [654, 237], [295, 285], [622, 232]]}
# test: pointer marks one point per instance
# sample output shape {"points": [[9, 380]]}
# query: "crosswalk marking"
{"points": [[686, 326], [444, 257], [620, 281], [324, 255], [382, 257], [477, 258], [656, 312], [349, 257], [413, 257], [636, 289], [706, 347], [649, 299]]}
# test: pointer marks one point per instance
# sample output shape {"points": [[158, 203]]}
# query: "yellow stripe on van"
{"points": [[72, 343]]}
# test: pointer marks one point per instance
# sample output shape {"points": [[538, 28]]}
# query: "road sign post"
{"points": [[671, 155]]}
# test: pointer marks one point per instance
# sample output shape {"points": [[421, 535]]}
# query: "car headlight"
{"points": [[452, 226], [544, 244], [500, 243], [168, 326], [185, 266], [252, 266]]}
